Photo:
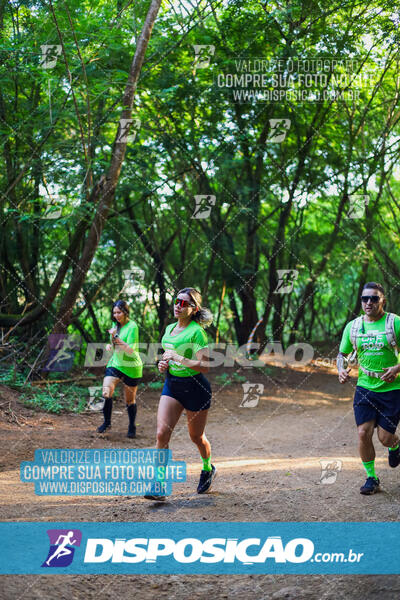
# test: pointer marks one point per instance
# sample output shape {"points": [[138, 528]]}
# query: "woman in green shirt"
{"points": [[125, 365], [184, 361]]}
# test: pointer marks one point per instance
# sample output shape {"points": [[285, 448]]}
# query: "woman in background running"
{"points": [[125, 365]]}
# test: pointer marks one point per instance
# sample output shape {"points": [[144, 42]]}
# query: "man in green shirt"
{"points": [[377, 397]]}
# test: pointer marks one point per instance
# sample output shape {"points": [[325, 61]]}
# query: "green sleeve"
{"points": [[199, 340], [345, 345], [133, 336]]}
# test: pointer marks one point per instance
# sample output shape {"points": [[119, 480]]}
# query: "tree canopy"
{"points": [[261, 151]]}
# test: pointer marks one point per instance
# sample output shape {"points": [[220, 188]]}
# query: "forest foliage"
{"points": [[323, 202]]}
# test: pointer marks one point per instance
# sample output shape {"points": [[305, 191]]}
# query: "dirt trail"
{"points": [[268, 470]]}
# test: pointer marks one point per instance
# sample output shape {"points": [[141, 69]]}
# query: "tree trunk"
{"points": [[221, 302], [158, 256], [103, 192], [236, 318]]}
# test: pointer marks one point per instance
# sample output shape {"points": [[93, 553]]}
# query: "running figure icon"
{"points": [[62, 549]]}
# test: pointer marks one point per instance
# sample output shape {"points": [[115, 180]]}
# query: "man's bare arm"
{"points": [[343, 370], [340, 361]]}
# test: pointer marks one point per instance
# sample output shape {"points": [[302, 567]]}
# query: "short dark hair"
{"points": [[374, 286]]}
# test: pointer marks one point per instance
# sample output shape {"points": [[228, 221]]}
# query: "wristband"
{"points": [[340, 361]]}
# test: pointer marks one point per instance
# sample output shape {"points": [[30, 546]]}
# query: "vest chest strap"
{"points": [[371, 373]]}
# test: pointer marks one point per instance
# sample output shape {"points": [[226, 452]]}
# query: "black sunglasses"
{"points": [[372, 298]]}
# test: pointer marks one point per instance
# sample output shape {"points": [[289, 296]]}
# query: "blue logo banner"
{"points": [[193, 548]]}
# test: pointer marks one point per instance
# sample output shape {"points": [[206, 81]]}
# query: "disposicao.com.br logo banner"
{"points": [[214, 548]]}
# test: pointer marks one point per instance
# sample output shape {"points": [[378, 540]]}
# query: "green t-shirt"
{"points": [[186, 343], [130, 364], [373, 353]]}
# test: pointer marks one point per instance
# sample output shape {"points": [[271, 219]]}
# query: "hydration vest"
{"points": [[355, 333]]}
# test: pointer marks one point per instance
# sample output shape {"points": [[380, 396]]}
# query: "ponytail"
{"points": [[203, 317]]}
